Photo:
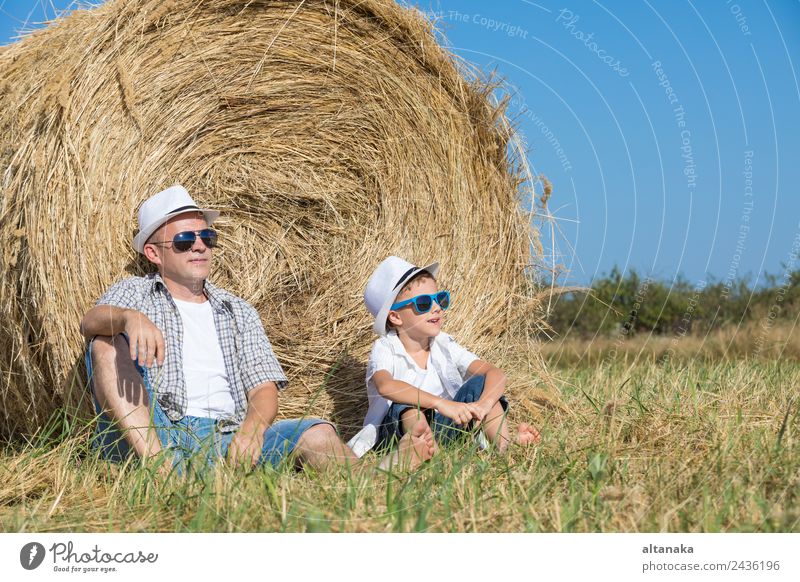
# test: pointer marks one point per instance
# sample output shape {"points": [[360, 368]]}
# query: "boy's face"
{"points": [[418, 325]]}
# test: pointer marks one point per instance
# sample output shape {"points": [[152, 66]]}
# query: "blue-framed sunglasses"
{"points": [[424, 303], [183, 241]]}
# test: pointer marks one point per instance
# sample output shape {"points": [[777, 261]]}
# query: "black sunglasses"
{"points": [[183, 241]]}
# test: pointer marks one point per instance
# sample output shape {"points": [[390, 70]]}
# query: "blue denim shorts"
{"points": [[445, 431], [192, 439]]}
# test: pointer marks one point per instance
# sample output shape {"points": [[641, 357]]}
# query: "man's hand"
{"points": [[146, 340], [262, 406], [245, 448], [458, 412]]}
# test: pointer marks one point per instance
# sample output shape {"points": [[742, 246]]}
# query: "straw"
{"points": [[329, 134]]}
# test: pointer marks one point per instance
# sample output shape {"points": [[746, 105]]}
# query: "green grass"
{"points": [[695, 447]]}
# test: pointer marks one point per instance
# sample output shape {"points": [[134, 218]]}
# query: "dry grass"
{"points": [[700, 447], [729, 344], [330, 134]]}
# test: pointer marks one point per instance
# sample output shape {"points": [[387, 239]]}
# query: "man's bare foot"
{"points": [[159, 468], [416, 447], [527, 435]]}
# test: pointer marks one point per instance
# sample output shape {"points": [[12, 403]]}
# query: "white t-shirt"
{"points": [[207, 387], [447, 363], [429, 381]]}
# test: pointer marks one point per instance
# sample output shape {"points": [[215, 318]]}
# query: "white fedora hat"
{"points": [[384, 285], [157, 209]]}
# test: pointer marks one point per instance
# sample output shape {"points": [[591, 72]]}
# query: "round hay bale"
{"points": [[329, 134]]}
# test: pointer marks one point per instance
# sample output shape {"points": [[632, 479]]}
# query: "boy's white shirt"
{"points": [[447, 358]]}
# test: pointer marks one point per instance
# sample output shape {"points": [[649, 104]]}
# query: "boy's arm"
{"points": [[493, 387], [404, 393]]}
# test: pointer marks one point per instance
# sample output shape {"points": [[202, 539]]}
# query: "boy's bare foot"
{"points": [[528, 434], [416, 447], [422, 431]]}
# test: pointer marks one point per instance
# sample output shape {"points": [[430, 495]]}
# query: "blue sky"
{"points": [[669, 129]]}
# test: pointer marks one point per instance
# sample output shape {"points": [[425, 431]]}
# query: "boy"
{"points": [[415, 371]]}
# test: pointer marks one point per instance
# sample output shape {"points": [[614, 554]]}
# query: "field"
{"points": [[750, 341], [683, 446]]}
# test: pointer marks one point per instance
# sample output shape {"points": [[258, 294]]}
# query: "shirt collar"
{"points": [[400, 349], [214, 293]]}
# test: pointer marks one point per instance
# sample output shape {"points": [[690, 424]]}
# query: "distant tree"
{"points": [[630, 304]]}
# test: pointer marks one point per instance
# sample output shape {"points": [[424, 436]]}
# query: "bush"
{"points": [[628, 303]]}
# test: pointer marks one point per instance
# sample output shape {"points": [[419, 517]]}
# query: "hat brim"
{"points": [[379, 326], [141, 237]]}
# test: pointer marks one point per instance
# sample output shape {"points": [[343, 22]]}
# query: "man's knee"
{"points": [[113, 374], [319, 436], [105, 349]]}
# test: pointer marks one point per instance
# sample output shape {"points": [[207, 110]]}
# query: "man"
{"points": [[178, 363]]}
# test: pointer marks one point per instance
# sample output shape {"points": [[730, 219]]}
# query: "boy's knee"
{"points": [[472, 389], [413, 415]]}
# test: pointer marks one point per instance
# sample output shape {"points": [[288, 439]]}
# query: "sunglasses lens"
{"points": [[443, 299], [423, 303], [183, 241], [209, 237]]}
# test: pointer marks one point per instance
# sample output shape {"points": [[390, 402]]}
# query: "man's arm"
{"points": [[106, 320], [262, 407], [145, 340], [258, 364]]}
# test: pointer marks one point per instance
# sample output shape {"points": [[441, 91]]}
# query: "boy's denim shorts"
{"points": [[445, 431], [193, 440]]}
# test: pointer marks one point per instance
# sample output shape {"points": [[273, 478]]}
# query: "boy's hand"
{"points": [[480, 411], [458, 412]]}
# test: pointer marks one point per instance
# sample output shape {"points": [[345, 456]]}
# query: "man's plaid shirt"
{"points": [[248, 355]]}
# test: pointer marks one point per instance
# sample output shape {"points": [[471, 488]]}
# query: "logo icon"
{"points": [[31, 555]]}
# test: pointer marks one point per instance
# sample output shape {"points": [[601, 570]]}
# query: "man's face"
{"points": [[193, 265]]}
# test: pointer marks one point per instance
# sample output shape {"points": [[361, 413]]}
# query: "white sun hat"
{"points": [[384, 285], [157, 209]]}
